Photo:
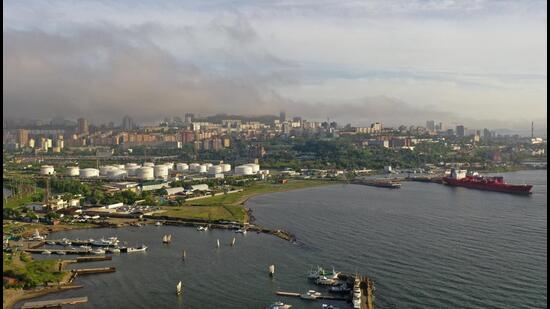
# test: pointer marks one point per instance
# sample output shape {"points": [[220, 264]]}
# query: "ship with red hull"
{"points": [[497, 184]]}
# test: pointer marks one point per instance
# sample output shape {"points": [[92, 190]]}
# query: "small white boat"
{"points": [[233, 242], [158, 223], [167, 238], [37, 236], [271, 270], [241, 231], [179, 289], [310, 295], [202, 228], [279, 305], [141, 248], [98, 251], [50, 242], [46, 252], [112, 250]]}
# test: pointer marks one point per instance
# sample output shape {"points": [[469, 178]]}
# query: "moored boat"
{"points": [[179, 288], [460, 178], [141, 248], [279, 305], [310, 295]]}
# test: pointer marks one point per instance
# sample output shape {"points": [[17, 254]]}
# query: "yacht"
{"points": [[141, 248], [279, 305], [324, 280], [311, 295], [98, 251]]}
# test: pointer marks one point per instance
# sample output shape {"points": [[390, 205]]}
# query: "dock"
{"points": [[55, 302], [82, 259], [330, 297], [57, 251], [86, 271]]}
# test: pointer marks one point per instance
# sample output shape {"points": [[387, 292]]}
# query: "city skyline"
{"points": [[403, 62]]}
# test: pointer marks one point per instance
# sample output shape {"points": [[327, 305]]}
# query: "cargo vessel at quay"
{"points": [[460, 178]]}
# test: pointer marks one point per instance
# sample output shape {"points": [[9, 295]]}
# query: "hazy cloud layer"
{"points": [[479, 62]]}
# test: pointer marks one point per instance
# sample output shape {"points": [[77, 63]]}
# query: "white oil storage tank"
{"points": [[208, 165], [161, 171], [73, 171], [120, 166], [145, 173], [255, 167], [130, 165], [194, 167], [89, 172], [203, 168], [215, 169], [149, 164], [103, 170], [47, 170], [225, 167], [117, 174], [131, 170], [243, 170], [182, 167]]}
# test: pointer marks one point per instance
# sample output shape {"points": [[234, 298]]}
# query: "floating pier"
{"points": [[55, 303], [330, 297], [82, 259], [86, 271]]}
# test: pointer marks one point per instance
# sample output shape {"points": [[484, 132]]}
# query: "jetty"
{"points": [[86, 271], [82, 259], [382, 183], [330, 297], [55, 303]]}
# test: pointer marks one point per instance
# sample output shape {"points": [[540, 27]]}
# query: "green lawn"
{"points": [[31, 272], [230, 206], [257, 188]]}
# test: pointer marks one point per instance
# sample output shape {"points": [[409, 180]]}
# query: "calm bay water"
{"points": [[425, 245]]}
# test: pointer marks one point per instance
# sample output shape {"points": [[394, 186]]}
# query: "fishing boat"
{"points": [[167, 239], [65, 242], [320, 272], [111, 241], [279, 305], [46, 252], [112, 250], [310, 295], [98, 251], [341, 288], [179, 290], [202, 228], [271, 270], [324, 280], [141, 248]]}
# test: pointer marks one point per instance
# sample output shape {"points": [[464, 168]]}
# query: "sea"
{"points": [[425, 245]]}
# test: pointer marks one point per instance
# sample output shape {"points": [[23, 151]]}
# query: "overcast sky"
{"points": [[482, 63]]}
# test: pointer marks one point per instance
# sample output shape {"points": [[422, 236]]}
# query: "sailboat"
{"points": [[218, 241], [183, 255], [167, 238], [179, 290], [271, 270], [233, 242]]}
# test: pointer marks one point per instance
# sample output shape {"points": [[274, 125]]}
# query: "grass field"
{"points": [[31, 272], [230, 206]]}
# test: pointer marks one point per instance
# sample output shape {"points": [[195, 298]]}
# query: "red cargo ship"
{"points": [[460, 179]]}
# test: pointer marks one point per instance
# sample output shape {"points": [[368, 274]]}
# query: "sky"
{"points": [[474, 62]]}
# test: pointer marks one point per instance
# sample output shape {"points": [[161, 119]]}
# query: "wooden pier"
{"points": [[330, 297], [55, 303], [82, 259], [86, 271]]}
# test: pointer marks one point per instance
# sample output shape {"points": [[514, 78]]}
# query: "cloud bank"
{"points": [[478, 62]]}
